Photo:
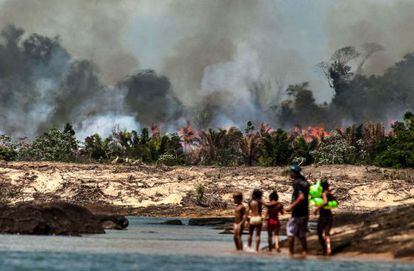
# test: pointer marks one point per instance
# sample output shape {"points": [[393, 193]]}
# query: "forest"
{"points": [[43, 86], [365, 144]]}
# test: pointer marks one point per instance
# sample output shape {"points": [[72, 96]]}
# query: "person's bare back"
{"points": [[256, 220], [274, 209], [255, 208]]}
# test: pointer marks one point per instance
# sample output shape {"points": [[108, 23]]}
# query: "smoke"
{"points": [[209, 36], [42, 85], [104, 125], [92, 30], [213, 63], [387, 23], [150, 98], [233, 81], [226, 49], [29, 73]]}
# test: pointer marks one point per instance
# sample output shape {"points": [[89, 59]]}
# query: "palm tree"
{"points": [[250, 146], [208, 143]]}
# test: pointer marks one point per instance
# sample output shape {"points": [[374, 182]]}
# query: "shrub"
{"points": [[265, 161], [168, 160], [8, 151], [397, 150], [199, 192], [53, 145], [334, 150]]}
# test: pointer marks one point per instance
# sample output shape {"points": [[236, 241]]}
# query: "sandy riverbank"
{"points": [[172, 192]]}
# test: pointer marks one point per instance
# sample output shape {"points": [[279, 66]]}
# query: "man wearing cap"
{"points": [[297, 225]]}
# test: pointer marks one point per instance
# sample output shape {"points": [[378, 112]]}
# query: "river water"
{"points": [[146, 245]]}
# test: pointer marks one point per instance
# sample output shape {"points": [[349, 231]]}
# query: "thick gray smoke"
{"points": [[150, 98], [43, 86], [388, 23], [225, 49], [215, 63], [92, 30]]}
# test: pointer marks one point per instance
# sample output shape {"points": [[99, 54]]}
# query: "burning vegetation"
{"points": [[42, 85], [368, 143]]}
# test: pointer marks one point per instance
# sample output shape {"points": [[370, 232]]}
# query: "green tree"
{"points": [[302, 109], [302, 150], [96, 148], [397, 150], [277, 148], [53, 145], [8, 149]]}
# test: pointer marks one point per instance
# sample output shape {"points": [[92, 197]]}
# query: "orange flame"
{"points": [[155, 130], [311, 133]]}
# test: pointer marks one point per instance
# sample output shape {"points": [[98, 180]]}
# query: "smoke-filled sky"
{"points": [[206, 54]]}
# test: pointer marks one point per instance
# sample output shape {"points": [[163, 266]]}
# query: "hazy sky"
{"points": [[290, 37]]}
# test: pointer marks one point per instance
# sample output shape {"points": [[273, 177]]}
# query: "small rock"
{"points": [[226, 231], [210, 221], [176, 222], [113, 222]]}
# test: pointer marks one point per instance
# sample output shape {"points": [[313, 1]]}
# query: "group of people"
{"points": [[260, 213]]}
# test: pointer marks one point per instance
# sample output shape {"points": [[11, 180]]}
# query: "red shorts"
{"points": [[273, 223]]}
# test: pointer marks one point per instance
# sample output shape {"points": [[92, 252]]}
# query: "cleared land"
{"points": [[150, 190], [375, 214]]}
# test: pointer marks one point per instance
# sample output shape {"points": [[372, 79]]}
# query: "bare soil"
{"points": [[375, 218], [175, 191]]}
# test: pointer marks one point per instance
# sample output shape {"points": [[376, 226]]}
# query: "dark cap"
{"points": [[295, 168]]}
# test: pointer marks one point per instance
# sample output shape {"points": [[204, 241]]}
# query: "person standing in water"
{"points": [[325, 219], [274, 208], [256, 220], [297, 225], [239, 220]]}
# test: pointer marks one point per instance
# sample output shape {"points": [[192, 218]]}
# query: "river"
{"points": [[147, 245]]}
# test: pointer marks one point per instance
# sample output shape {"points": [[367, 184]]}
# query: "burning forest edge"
{"points": [[366, 144], [58, 88], [43, 85], [180, 109]]}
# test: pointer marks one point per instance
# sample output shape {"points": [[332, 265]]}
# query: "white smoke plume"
{"points": [[215, 63], [233, 81], [104, 125]]}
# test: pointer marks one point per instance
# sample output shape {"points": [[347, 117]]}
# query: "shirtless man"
{"points": [[239, 220]]}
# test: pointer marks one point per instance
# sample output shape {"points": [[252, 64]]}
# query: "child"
{"points": [[274, 208], [239, 220], [325, 219], [256, 221]]}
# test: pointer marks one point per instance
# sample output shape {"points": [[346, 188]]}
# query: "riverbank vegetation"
{"points": [[368, 143]]}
